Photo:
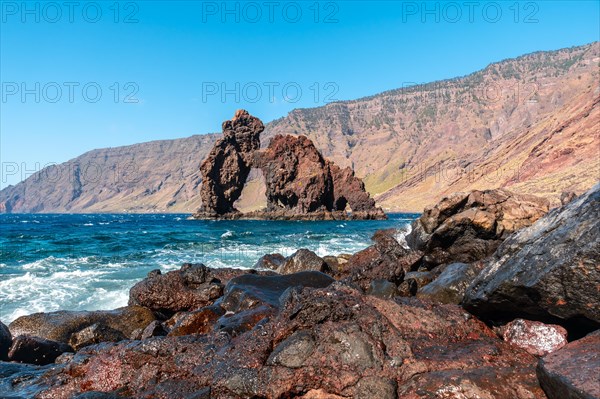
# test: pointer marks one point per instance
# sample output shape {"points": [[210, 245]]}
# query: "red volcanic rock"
{"points": [[296, 175], [572, 372], [535, 337], [301, 182], [349, 190], [191, 287], [323, 343], [227, 166], [386, 260], [466, 227]]}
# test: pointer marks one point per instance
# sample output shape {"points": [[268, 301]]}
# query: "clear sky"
{"points": [[82, 75]]}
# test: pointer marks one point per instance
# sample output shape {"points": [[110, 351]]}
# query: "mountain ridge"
{"points": [[386, 138]]}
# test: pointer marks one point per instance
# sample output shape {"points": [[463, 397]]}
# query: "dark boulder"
{"points": [[466, 227], [5, 341], [450, 285], [95, 334], [386, 260], [36, 350], [62, 325], [548, 271], [572, 372], [154, 329], [269, 261], [192, 287], [303, 260]]}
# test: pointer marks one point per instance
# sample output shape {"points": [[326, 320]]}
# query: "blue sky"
{"points": [[93, 75]]}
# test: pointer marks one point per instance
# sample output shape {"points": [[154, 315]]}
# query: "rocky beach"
{"points": [[491, 295]]}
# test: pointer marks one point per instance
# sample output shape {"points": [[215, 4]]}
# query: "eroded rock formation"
{"points": [[300, 183], [227, 166]]}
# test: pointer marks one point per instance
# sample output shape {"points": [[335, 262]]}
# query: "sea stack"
{"points": [[301, 183]]}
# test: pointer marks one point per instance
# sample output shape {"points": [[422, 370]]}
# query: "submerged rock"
{"points": [[535, 337], [36, 350], [572, 372], [62, 325], [466, 227], [549, 270]]}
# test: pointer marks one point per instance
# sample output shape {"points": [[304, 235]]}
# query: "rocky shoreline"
{"points": [[491, 295]]}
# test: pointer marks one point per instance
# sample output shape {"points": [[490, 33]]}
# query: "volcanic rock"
{"points": [[386, 260], [535, 337], [269, 261], [227, 166], [200, 321], [95, 334], [549, 271], [296, 174], [322, 342], [60, 326], [303, 260], [192, 287], [349, 190], [466, 227], [450, 285], [301, 184], [36, 350], [5, 341], [572, 372]]}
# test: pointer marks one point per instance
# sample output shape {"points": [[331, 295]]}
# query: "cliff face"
{"points": [[529, 124]]}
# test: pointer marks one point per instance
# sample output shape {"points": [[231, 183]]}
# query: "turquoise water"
{"points": [[75, 262]]}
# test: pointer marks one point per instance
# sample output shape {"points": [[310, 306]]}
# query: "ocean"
{"points": [[54, 262]]}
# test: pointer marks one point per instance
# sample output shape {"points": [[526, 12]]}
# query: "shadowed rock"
{"points": [[466, 227], [303, 260], [192, 287], [36, 350], [5, 341], [95, 334], [450, 285], [62, 325], [548, 271], [226, 168], [572, 372]]}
